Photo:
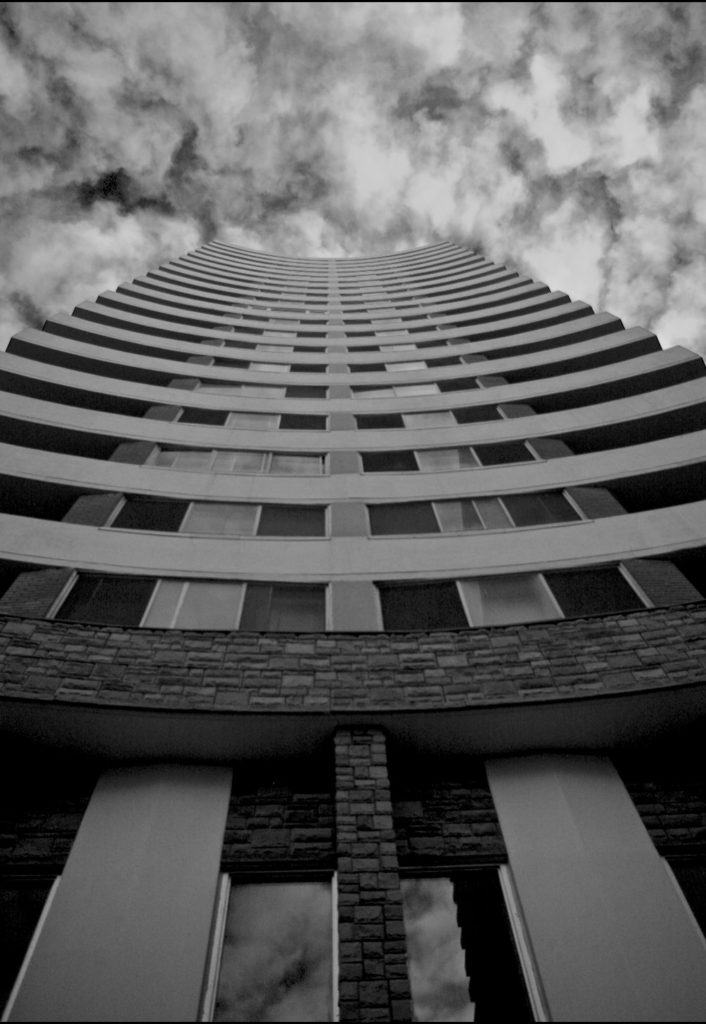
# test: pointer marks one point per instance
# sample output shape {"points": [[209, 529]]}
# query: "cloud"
{"points": [[566, 139]]}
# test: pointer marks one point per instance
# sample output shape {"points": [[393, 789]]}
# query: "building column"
{"points": [[127, 935], [373, 978], [611, 936]]}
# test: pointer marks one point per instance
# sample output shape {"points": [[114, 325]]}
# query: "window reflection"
{"points": [[277, 954], [436, 964]]}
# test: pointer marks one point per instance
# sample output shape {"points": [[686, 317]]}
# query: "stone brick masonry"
{"points": [[373, 980], [50, 660]]}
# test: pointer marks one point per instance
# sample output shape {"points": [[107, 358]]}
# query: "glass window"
{"points": [[297, 421], [292, 521], [284, 607], [456, 516], [373, 392], [207, 417], [446, 458], [421, 606], [406, 347], [164, 458], [277, 960], [198, 461], [440, 418], [296, 465], [417, 365], [437, 973], [407, 390], [492, 513], [143, 514], [385, 421], [411, 517], [499, 454], [109, 600], [197, 604], [593, 591], [253, 420], [220, 518], [388, 462], [500, 600], [221, 389], [536, 509], [274, 348], [270, 367], [262, 391], [239, 462]]}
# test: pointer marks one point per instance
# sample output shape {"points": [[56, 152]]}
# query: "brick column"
{"points": [[373, 978]]}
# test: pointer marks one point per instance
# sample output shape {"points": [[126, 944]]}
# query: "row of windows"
{"points": [[236, 519], [470, 514], [221, 519], [216, 460], [363, 421], [420, 298], [272, 950], [290, 607]]}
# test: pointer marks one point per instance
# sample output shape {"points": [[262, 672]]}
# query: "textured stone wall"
{"points": [[444, 814], [44, 799], [669, 790], [373, 979], [330, 672], [281, 817]]}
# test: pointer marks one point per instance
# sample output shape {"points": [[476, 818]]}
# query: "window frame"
{"points": [[76, 575], [214, 956], [266, 469]]}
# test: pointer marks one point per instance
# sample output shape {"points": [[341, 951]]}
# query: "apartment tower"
{"points": [[353, 650]]}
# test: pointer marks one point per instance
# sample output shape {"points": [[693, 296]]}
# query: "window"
{"points": [[412, 517], [417, 365], [253, 420], [383, 421], [195, 604], [270, 367], [221, 519], [145, 514], [276, 956], [506, 599], [220, 461], [593, 591], [284, 607], [535, 509], [421, 606], [440, 418], [462, 947], [431, 459], [499, 454], [198, 604], [500, 600], [388, 462]]}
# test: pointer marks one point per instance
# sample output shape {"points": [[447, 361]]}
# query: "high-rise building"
{"points": [[353, 651]]}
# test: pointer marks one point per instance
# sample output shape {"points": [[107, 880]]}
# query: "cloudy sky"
{"points": [[567, 139]]}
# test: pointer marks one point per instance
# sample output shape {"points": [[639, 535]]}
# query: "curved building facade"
{"points": [[352, 617]]}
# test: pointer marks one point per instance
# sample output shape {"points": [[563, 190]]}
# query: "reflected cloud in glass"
{"points": [[277, 954], [436, 961]]}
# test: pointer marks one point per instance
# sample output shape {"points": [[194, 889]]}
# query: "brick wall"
{"points": [[280, 817], [668, 789], [42, 808], [341, 672], [444, 815], [373, 980]]}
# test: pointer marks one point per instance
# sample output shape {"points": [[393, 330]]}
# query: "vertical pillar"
{"points": [[611, 936], [373, 978], [127, 935]]}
